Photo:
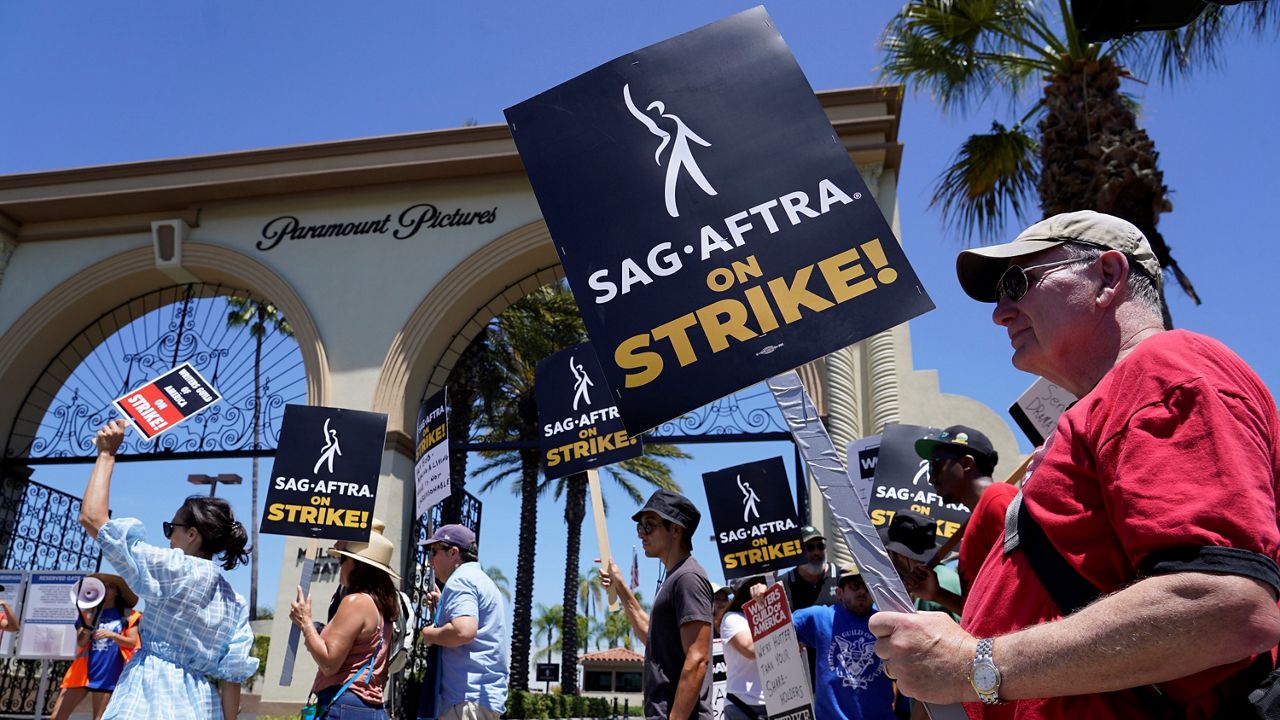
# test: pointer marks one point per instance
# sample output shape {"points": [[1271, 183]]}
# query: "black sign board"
{"points": [[754, 518], [325, 475], [580, 424], [902, 482], [709, 220], [548, 672]]}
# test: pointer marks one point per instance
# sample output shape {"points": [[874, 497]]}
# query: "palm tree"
{"points": [[1086, 149], [590, 593], [257, 315], [548, 620], [499, 578], [538, 325]]}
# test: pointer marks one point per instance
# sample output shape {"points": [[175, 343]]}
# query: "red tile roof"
{"points": [[613, 655]]}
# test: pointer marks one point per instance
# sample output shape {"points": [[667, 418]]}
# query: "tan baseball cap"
{"points": [[979, 269]]}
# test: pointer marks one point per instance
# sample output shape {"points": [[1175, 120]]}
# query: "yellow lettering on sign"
{"points": [[716, 326]]}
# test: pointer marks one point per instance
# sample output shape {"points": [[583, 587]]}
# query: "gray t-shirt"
{"points": [[685, 596]]}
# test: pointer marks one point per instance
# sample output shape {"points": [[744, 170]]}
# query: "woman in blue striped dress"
{"points": [[195, 626]]}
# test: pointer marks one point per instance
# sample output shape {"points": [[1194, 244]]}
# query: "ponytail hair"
{"points": [[220, 532]]}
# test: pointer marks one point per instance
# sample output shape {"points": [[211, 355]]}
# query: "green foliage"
{"points": [[522, 704], [261, 645]]}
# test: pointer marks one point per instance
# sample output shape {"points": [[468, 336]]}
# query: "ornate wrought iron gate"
{"points": [[39, 530]]}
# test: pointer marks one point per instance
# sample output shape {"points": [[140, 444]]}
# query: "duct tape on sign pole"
{"points": [[828, 472]]}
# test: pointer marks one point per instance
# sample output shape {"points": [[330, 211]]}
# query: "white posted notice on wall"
{"points": [[783, 668], [49, 617]]}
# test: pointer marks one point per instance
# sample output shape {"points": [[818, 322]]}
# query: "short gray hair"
{"points": [[1141, 286]]}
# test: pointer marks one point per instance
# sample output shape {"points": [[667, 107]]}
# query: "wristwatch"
{"points": [[985, 676]]}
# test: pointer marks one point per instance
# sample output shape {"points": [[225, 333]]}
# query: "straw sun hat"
{"points": [[376, 552], [128, 596]]}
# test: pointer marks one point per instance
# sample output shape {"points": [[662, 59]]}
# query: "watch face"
{"points": [[985, 677]]}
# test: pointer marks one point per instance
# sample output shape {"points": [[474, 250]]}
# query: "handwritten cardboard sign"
{"points": [[431, 470], [782, 666], [1037, 410]]}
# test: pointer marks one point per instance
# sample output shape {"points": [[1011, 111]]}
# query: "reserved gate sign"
{"points": [[168, 401], [710, 222]]}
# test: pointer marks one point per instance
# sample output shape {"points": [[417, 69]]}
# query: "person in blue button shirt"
{"points": [[470, 629], [850, 683]]}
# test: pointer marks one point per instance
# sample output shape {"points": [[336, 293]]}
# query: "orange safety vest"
{"points": [[78, 674]]}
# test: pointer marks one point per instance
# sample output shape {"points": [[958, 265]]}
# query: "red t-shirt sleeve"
{"points": [[984, 530], [1190, 471]]}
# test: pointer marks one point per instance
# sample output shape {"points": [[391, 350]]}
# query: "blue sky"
{"points": [[89, 83]]}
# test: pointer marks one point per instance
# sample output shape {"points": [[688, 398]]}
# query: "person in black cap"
{"points": [[677, 632], [814, 581], [911, 539], [961, 460]]}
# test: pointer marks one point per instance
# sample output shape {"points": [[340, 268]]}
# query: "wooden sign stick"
{"points": [[295, 632], [602, 533]]}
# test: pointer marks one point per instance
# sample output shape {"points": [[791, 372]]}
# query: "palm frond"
{"points": [[1173, 55], [992, 177], [962, 51]]}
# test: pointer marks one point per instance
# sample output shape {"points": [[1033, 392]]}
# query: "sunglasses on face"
{"points": [[168, 528], [937, 462], [811, 547], [1014, 283], [644, 528]]}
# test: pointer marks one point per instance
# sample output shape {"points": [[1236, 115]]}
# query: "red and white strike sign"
{"points": [[167, 401], [783, 668]]}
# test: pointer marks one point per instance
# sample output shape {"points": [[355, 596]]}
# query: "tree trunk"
{"points": [[1093, 156], [575, 508], [522, 623]]}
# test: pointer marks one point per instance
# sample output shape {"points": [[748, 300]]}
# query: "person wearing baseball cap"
{"points": [[961, 461], [677, 631], [1142, 549], [470, 629], [911, 540], [849, 683], [812, 582]]}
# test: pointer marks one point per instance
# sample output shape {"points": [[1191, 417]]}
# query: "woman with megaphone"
{"points": [[196, 627], [106, 638]]}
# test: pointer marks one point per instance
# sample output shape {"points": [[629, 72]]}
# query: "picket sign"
{"points": [[829, 474], [602, 533], [295, 632]]}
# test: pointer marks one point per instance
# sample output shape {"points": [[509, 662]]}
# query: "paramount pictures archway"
{"points": [[391, 254]]}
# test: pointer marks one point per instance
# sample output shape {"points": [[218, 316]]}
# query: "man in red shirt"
{"points": [[961, 460], [1157, 491]]}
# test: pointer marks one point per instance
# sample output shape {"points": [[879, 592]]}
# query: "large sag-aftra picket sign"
{"points": [[710, 222], [324, 480], [755, 521]]}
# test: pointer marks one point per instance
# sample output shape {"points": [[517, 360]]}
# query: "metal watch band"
{"points": [[982, 656]]}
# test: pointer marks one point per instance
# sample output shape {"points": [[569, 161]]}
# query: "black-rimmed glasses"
{"points": [[168, 527], [1014, 283]]}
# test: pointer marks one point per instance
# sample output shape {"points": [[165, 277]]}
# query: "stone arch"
{"points": [[39, 333], [477, 290]]}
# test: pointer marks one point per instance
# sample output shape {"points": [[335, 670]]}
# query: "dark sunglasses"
{"points": [[1014, 283], [815, 546], [644, 528], [168, 528], [939, 460]]}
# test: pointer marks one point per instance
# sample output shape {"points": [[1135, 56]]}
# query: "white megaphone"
{"points": [[88, 593]]}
